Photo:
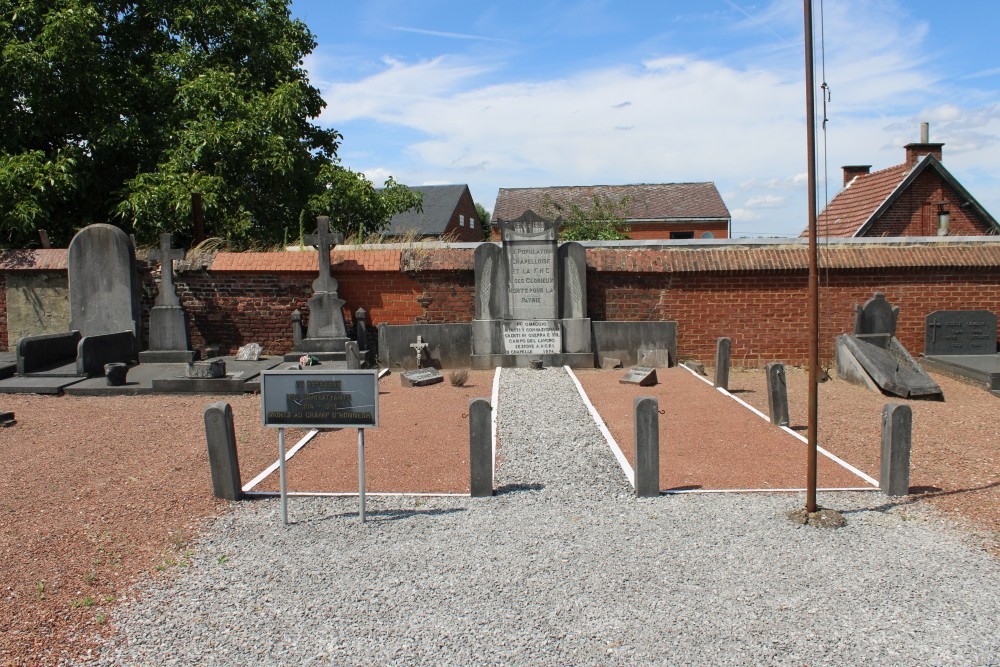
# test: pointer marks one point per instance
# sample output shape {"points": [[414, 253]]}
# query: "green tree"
{"points": [[484, 221], [603, 221], [117, 111], [355, 206]]}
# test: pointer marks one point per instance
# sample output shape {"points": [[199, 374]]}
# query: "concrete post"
{"points": [[352, 355], [722, 351], [361, 329], [222, 458], [647, 447], [296, 328], [480, 448], [777, 393], [897, 424]]}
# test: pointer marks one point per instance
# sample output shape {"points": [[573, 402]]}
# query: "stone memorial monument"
{"points": [[531, 298], [325, 333], [168, 326], [963, 343]]}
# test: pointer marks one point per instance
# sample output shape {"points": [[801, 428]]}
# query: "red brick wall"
{"points": [[915, 212], [655, 231], [754, 294], [4, 343]]}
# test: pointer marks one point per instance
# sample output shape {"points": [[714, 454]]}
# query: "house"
{"points": [[653, 211], [917, 198], [448, 211]]}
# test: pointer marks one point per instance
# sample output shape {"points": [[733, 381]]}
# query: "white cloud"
{"points": [[764, 201]]}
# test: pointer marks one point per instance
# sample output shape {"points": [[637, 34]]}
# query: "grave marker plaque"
{"points": [[421, 377], [644, 376], [319, 399], [532, 337], [529, 247], [960, 332]]}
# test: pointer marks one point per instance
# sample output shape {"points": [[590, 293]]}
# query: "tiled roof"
{"points": [[439, 204], [854, 205], [664, 201]]}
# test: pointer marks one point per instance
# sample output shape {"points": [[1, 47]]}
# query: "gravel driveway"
{"points": [[564, 566]]}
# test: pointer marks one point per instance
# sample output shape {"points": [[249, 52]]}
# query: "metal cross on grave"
{"points": [[323, 241], [166, 255], [419, 348]]}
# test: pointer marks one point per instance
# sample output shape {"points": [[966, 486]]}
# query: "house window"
{"points": [[681, 235], [461, 221]]}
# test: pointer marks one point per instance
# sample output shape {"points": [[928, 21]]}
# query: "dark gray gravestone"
{"points": [[361, 329], [96, 350], [723, 347], [103, 296], [897, 425], [420, 378], [644, 376], [222, 457], [876, 316], [35, 353], [777, 393], [960, 332], [249, 352], [352, 356], [647, 447], [480, 448]]}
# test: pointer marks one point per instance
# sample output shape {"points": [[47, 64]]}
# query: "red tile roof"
{"points": [[664, 201], [854, 205]]}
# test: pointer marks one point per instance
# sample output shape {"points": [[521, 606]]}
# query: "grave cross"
{"points": [[323, 240], [166, 255], [419, 348], [933, 325]]}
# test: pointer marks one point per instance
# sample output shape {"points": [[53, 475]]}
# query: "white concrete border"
{"points": [[615, 449], [495, 403]]}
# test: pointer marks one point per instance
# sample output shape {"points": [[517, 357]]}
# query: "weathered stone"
{"points": [[222, 455], [777, 393], [103, 294], [643, 376], [115, 373], [876, 316], [353, 356], [723, 347], [481, 447], [646, 424], [216, 368], [696, 366], [960, 332], [420, 378], [531, 261], [94, 351], [897, 425], [249, 352], [821, 518], [610, 362]]}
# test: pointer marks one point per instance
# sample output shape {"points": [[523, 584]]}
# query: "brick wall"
{"points": [[755, 293], [915, 212]]}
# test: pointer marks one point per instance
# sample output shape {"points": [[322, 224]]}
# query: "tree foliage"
{"points": [[355, 206], [604, 220], [484, 221], [118, 110]]}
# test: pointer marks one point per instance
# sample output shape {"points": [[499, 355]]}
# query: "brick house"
{"points": [[919, 197], [655, 211], [448, 210]]}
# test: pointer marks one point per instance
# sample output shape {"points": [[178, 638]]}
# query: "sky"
{"points": [[553, 93]]}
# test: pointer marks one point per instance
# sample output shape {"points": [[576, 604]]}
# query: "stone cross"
{"points": [[166, 256], [933, 325], [419, 348], [323, 240]]}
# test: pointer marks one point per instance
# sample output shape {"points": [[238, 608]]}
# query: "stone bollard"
{"points": [[222, 457], [297, 329], [722, 353], [777, 393], [352, 355], [361, 329], [897, 424], [647, 447], [480, 447]]}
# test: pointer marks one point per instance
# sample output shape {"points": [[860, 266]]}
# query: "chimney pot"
{"points": [[851, 171], [925, 133]]}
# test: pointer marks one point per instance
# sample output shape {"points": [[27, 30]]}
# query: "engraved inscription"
{"points": [[532, 337]]}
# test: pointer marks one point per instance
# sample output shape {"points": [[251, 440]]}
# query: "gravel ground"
{"points": [[565, 566]]}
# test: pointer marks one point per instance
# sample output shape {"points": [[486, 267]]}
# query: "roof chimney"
{"points": [[852, 171], [916, 151]]}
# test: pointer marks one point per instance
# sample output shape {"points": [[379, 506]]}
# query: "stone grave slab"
{"points": [[249, 352], [138, 382], [644, 376], [981, 368], [8, 364], [963, 332], [238, 379], [421, 377], [53, 385]]}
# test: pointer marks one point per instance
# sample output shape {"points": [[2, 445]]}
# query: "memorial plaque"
{"points": [[532, 337], [421, 377], [529, 248], [319, 399], [644, 376], [960, 332]]}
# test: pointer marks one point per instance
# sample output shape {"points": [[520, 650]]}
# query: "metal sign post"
{"points": [[320, 399]]}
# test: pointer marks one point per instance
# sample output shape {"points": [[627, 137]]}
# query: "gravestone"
{"points": [[876, 316], [168, 327], [326, 332], [960, 332], [644, 376], [215, 368], [249, 352], [531, 298], [103, 296], [421, 377]]}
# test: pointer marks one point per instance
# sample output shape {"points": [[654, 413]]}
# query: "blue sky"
{"points": [[528, 94]]}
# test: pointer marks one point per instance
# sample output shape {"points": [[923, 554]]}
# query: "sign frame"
{"points": [[277, 385]]}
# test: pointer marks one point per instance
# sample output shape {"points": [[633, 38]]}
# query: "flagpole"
{"points": [[813, 271]]}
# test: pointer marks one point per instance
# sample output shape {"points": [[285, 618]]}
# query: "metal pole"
{"points": [[813, 272], [361, 474], [281, 476]]}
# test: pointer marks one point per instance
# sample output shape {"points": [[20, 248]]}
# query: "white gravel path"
{"points": [[565, 567]]}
